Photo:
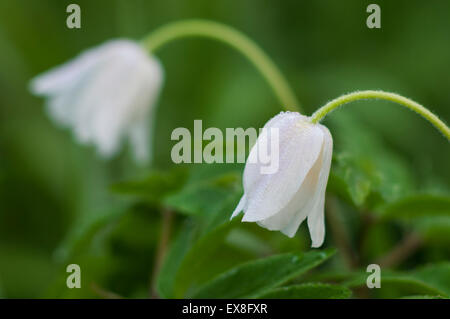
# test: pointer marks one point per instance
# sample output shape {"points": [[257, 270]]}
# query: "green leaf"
{"points": [[252, 279], [155, 186], [178, 249], [364, 171], [151, 190], [309, 291], [428, 214], [422, 297], [351, 178], [429, 280], [206, 196], [211, 202], [84, 229], [436, 275], [397, 285], [116, 255], [434, 229], [422, 205], [410, 284], [197, 266]]}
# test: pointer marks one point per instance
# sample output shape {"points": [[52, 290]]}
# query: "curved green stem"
{"points": [[235, 39], [364, 95]]}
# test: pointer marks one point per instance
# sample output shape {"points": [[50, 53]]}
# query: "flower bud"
{"points": [[283, 199], [104, 95]]}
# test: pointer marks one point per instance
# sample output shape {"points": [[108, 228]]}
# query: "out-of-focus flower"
{"points": [[106, 94], [296, 191]]}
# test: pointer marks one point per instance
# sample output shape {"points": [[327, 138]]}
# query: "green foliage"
{"points": [[155, 187], [309, 291], [209, 200], [16, 279], [60, 203], [437, 275], [427, 214], [422, 205], [114, 256], [252, 279], [432, 280], [366, 172], [179, 248], [434, 230], [422, 297], [201, 261]]}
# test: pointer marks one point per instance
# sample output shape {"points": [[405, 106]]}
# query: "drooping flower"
{"points": [[106, 94], [283, 199]]}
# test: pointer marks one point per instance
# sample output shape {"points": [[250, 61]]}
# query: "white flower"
{"points": [[296, 191], [104, 95]]}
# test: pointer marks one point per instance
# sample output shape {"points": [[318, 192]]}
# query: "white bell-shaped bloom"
{"points": [[105, 95], [283, 199]]}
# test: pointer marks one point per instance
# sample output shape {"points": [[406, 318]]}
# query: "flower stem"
{"points": [[365, 95], [402, 251], [106, 294], [163, 243], [235, 39]]}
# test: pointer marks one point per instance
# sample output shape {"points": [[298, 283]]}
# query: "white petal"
{"points": [[288, 220], [104, 95], [316, 218], [60, 110], [300, 145], [96, 118], [284, 220], [239, 207], [252, 172], [63, 83], [117, 96], [139, 134], [142, 129], [65, 76], [131, 99]]}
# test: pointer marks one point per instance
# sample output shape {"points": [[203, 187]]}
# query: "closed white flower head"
{"points": [[105, 95], [296, 191]]}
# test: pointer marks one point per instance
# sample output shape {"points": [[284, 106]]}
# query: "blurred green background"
{"points": [[52, 189]]}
